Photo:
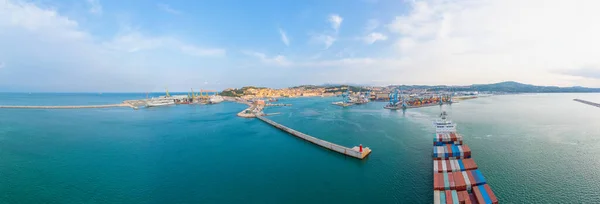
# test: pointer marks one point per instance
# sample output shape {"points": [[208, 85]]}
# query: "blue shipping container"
{"points": [[479, 177], [486, 197], [446, 182], [446, 151], [455, 151], [442, 197]]}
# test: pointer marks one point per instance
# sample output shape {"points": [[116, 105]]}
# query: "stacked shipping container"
{"points": [[456, 178]]}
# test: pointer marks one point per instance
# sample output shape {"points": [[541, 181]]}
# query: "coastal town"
{"points": [[375, 93]]}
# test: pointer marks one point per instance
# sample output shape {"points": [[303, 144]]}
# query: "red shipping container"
{"points": [[471, 200], [435, 181], [439, 165], [448, 166], [461, 197], [466, 164], [467, 151], [452, 137], [490, 194], [469, 164], [472, 164], [478, 195], [451, 181], [438, 181], [448, 196], [441, 181], [459, 181], [449, 147]]}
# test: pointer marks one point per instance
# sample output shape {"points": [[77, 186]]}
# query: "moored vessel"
{"points": [[160, 102], [214, 99]]}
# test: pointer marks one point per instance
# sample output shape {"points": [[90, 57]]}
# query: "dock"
{"points": [[71, 107], [588, 102], [356, 152]]}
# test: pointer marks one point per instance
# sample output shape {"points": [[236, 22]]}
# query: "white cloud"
{"points": [[278, 60], [344, 62], [336, 21], [284, 37], [372, 24], [131, 61], [196, 51], [373, 37], [45, 22], [549, 42], [95, 7], [134, 41], [590, 72], [326, 40], [462, 42], [168, 9]]}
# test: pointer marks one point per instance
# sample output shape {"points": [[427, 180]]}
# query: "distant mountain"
{"points": [[506, 87], [516, 87]]}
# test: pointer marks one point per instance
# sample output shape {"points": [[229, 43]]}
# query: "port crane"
{"points": [[346, 95]]}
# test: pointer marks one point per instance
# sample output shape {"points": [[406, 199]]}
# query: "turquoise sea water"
{"points": [[539, 148]]}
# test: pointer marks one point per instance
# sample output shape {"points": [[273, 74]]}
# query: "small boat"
{"points": [[341, 103], [394, 107]]}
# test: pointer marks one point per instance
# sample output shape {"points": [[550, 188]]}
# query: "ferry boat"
{"points": [[215, 99]]}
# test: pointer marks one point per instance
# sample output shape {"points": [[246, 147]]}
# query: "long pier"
{"points": [[588, 102], [71, 107], [356, 152]]}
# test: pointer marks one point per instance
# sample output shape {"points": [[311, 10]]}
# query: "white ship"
{"points": [[214, 99], [443, 125], [341, 103], [159, 102]]}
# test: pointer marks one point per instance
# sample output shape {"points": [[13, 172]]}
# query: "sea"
{"points": [[531, 148]]}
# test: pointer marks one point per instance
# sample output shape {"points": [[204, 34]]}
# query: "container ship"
{"points": [[456, 178]]}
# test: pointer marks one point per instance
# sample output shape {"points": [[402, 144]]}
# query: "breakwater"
{"points": [[588, 102], [71, 107], [356, 152]]}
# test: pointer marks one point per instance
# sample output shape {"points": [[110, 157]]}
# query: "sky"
{"points": [[146, 45]]}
